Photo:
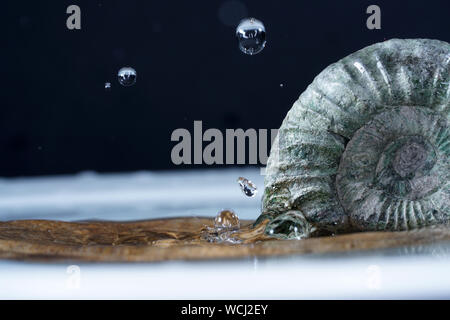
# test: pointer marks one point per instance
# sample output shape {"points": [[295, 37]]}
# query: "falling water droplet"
{"points": [[226, 220], [127, 76], [247, 187], [251, 35], [107, 86]]}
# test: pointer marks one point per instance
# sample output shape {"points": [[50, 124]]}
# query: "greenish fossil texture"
{"points": [[366, 146]]}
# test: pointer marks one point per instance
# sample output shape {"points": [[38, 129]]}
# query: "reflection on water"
{"points": [[438, 250]]}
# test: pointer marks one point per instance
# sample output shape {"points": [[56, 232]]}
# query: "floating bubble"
{"points": [[251, 35], [127, 76], [107, 86], [247, 187], [226, 220]]}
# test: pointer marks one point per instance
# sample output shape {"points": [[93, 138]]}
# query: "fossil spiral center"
{"points": [[409, 158], [400, 155], [404, 166]]}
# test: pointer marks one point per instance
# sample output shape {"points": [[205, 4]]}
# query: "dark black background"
{"points": [[55, 116]]}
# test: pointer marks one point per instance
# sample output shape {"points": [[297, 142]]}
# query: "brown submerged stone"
{"points": [[178, 239]]}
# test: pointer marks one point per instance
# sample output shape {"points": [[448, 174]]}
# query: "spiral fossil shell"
{"points": [[366, 146]]}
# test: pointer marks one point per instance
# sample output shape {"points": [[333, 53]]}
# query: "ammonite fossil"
{"points": [[366, 146]]}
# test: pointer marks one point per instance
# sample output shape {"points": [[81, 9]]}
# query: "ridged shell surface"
{"points": [[366, 146]]}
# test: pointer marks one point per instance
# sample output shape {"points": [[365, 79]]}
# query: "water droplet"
{"points": [[226, 225], [127, 76], [247, 187], [214, 236], [107, 86], [227, 220], [290, 225], [251, 35]]}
